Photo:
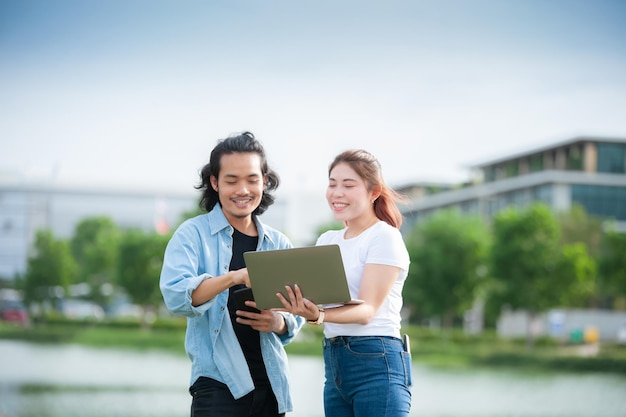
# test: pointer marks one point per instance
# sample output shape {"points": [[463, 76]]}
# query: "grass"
{"points": [[437, 348], [455, 349]]}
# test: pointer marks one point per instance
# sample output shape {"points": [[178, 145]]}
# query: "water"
{"points": [[68, 381]]}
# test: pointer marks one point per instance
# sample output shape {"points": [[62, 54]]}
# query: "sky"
{"points": [[135, 93]]}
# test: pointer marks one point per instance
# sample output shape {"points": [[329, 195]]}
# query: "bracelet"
{"points": [[320, 318]]}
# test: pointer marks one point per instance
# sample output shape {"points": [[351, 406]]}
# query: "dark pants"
{"points": [[213, 399]]}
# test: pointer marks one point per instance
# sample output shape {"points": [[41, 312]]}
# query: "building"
{"points": [[26, 207], [567, 325], [589, 171]]}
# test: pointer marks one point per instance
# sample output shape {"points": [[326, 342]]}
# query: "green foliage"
{"points": [[95, 247], [613, 264], [578, 227], [529, 259], [335, 225], [448, 265], [51, 265], [576, 274], [139, 266], [524, 257]]}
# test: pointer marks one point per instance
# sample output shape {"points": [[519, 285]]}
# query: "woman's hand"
{"points": [[297, 304]]}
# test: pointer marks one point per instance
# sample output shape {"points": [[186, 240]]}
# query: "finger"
{"points": [[310, 306], [293, 301], [298, 291], [299, 294], [254, 324], [300, 301], [245, 321], [290, 293], [286, 304], [249, 315]]}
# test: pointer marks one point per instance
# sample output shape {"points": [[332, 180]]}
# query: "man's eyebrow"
{"points": [[247, 176]]}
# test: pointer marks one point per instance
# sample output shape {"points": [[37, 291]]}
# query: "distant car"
{"points": [[13, 311], [82, 309]]}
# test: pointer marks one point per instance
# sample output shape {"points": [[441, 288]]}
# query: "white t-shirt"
{"points": [[380, 244]]}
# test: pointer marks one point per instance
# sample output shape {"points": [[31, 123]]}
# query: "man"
{"points": [[238, 362]]}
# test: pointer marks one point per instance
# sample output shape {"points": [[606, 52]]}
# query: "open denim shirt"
{"points": [[201, 248]]}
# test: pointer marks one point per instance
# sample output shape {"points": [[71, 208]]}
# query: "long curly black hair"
{"points": [[241, 143]]}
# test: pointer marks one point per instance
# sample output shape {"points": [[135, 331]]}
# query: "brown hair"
{"points": [[369, 169]]}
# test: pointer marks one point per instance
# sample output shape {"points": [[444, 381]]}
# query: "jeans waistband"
{"points": [[347, 339]]}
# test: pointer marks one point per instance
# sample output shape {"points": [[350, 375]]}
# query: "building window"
{"points": [[511, 169], [490, 173], [535, 163], [574, 159], [611, 158], [602, 201], [542, 193]]}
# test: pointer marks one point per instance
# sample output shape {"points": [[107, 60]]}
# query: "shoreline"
{"points": [[450, 349]]}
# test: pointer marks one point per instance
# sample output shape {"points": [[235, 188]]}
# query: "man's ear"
{"points": [[213, 182]]}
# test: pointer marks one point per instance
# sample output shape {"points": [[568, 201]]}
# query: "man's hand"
{"points": [[265, 321]]}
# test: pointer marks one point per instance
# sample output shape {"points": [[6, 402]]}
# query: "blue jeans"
{"points": [[366, 376]]}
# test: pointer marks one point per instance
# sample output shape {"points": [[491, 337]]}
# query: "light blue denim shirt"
{"points": [[201, 248]]}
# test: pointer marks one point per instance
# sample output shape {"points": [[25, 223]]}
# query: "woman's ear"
{"points": [[376, 191]]}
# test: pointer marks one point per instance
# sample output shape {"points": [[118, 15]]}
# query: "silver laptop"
{"points": [[318, 271]]}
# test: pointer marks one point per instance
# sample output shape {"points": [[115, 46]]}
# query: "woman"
{"points": [[367, 368]]}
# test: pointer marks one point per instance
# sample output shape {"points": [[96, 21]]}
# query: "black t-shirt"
{"points": [[247, 336]]}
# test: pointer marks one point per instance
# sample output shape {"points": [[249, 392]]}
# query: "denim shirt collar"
{"points": [[218, 222]]}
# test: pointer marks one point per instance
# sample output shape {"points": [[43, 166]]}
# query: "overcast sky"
{"points": [[136, 93]]}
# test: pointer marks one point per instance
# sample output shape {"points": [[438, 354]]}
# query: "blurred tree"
{"points": [[524, 258], [49, 269], [613, 265], [576, 275], [95, 249], [448, 264], [139, 268], [334, 225], [577, 226]]}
